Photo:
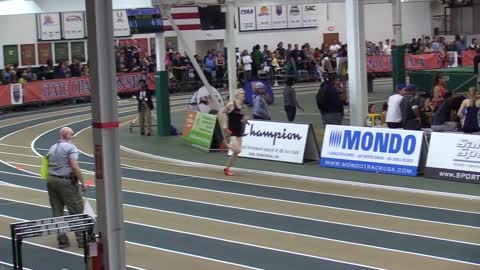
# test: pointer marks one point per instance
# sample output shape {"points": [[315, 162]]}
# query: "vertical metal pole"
{"points": [[19, 253], [105, 132], [398, 53], [357, 62], [85, 250], [14, 247], [161, 88], [231, 54]]}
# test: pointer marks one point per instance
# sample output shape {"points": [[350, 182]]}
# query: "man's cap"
{"points": [[400, 86], [411, 87], [259, 85]]}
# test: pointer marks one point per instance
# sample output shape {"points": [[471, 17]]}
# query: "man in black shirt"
{"points": [[329, 102]]}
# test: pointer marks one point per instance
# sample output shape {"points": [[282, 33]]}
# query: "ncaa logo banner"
{"points": [[388, 151]]}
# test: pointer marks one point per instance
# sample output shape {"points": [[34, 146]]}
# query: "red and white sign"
{"points": [[383, 63], [58, 89]]}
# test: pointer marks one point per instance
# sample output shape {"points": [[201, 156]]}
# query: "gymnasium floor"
{"points": [[187, 215]]}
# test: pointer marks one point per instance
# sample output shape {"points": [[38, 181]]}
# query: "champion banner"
{"points": [[383, 63], [58, 89]]}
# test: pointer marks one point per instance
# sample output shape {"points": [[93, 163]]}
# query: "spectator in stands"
{"points": [[257, 60], [179, 68], [439, 89], [260, 102], [61, 70], [280, 51], [387, 48], [436, 44], [474, 45], [85, 70], [75, 68], [460, 47], [468, 112], [394, 112], [290, 100], [6, 75], [220, 64], [209, 67], [413, 47], [334, 47], [247, 66]]}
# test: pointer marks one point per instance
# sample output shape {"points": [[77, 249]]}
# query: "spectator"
{"points": [[410, 107], [260, 105], [257, 60], [394, 112], [444, 118], [474, 45], [439, 89], [247, 66], [220, 64], [290, 100], [145, 107], [468, 112], [329, 102]]}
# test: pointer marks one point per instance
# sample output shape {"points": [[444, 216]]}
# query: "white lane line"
{"points": [[134, 244], [166, 183], [11, 265], [232, 241], [20, 146], [302, 177], [51, 248]]}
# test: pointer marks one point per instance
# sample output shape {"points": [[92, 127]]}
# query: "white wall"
{"points": [[22, 30], [416, 20], [378, 26]]}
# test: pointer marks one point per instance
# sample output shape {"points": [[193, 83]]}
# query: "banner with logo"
{"points": [[16, 94], [310, 15], [279, 17], [294, 15], [383, 63], [121, 27], [277, 141], [49, 27], [263, 17], [454, 157], [389, 151], [247, 19], [57, 89], [73, 25], [199, 129], [202, 100]]}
